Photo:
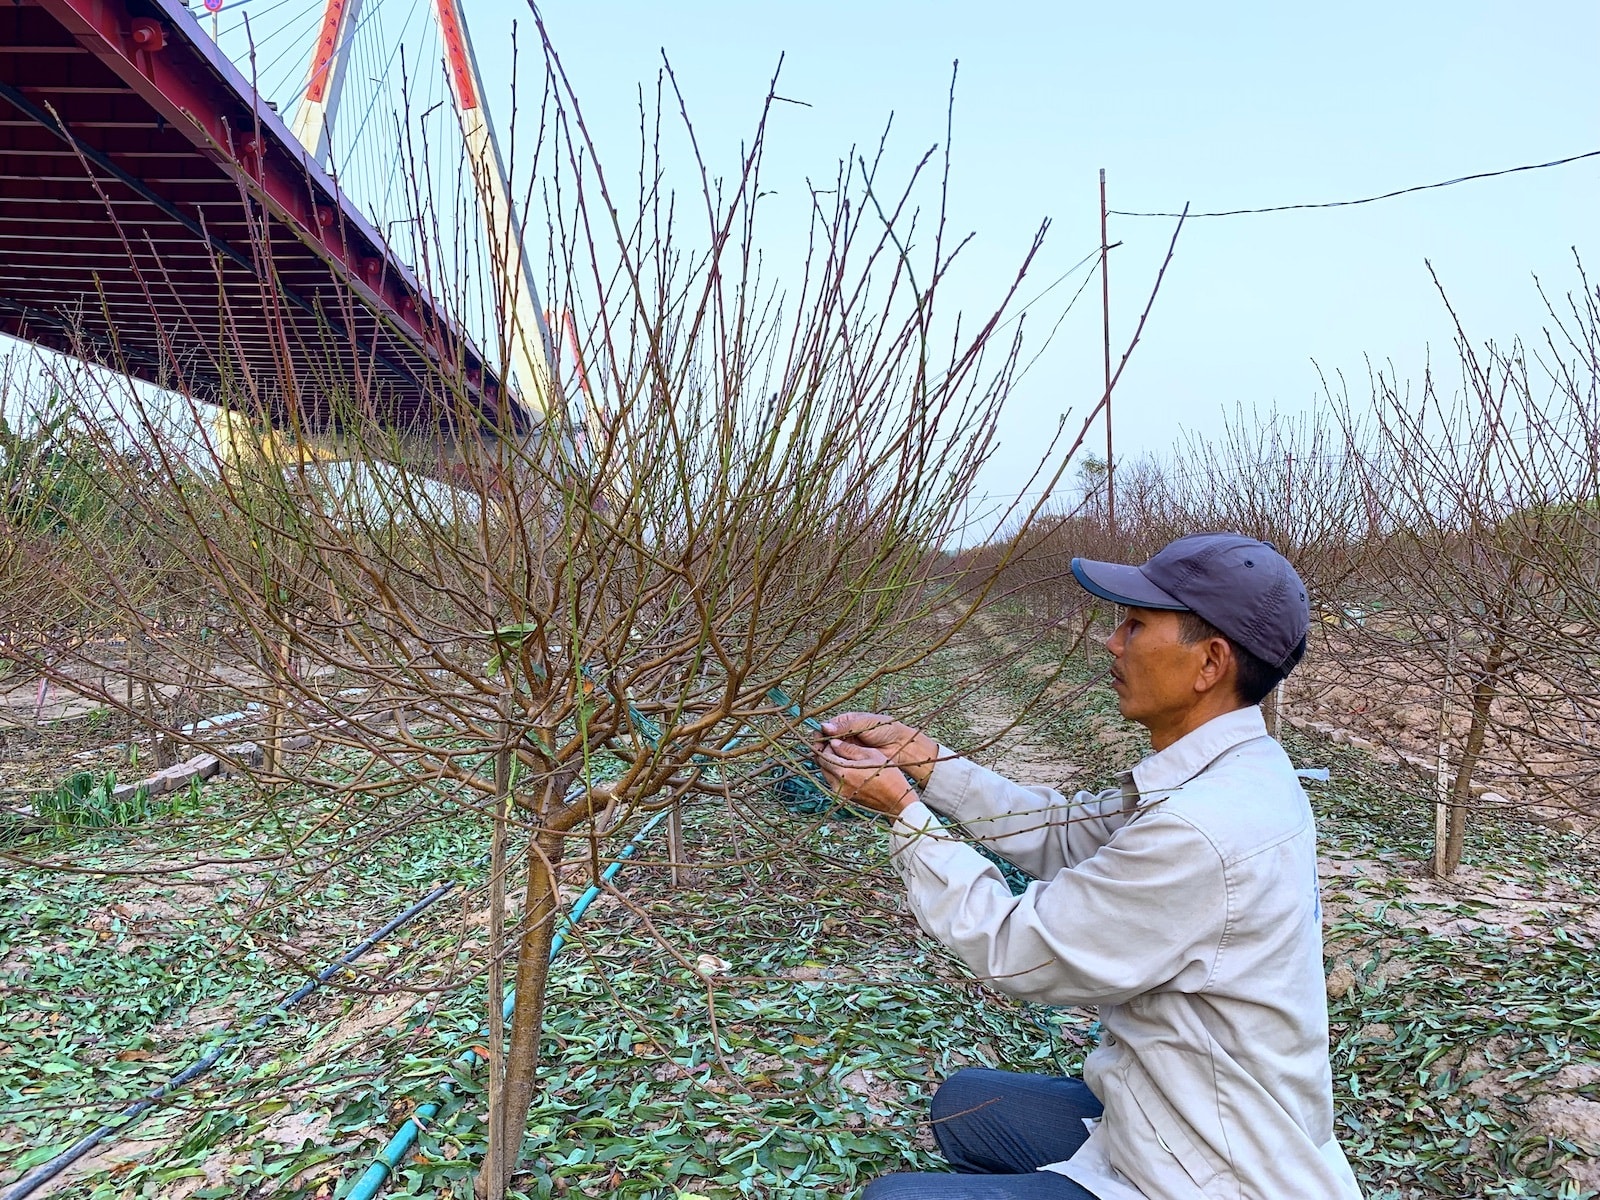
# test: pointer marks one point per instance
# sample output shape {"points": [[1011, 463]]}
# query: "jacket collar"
{"points": [[1191, 754]]}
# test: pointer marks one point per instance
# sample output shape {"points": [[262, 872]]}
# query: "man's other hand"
{"points": [[864, 775], [913, 751]]}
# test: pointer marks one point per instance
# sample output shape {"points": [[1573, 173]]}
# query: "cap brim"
{"points": [[1122, 584]]}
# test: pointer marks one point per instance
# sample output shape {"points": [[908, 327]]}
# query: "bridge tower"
{"points": [[529, 346]]}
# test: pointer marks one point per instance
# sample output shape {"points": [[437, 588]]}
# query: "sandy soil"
{"points": [[1538, 752]]}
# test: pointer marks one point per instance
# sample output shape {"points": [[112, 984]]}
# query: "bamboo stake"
{"points": [[1441, 803], [1270, 709], [675, 844], [495, 1157]]}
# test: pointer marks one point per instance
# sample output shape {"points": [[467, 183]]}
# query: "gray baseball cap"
{"points": [[1243, 587]]}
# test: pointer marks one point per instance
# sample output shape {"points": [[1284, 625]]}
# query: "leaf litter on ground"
{"points": [[774, 1027]]}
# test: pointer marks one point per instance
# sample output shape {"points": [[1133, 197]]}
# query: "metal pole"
{"points": [[1105, 310]]}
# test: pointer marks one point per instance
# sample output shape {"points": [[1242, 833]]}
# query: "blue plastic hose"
{"points": [[389, 1158], [394, 1152], [47, 1171]]}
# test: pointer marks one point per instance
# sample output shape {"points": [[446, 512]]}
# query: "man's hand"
{"points": [[865, 776], [913, 751]]}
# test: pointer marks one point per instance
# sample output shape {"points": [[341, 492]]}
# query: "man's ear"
{"points": [[1217, 668]]}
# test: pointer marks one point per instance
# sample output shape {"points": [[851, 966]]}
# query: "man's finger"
{"points": [[856, 724], [857, 754], [831, 763], [839, 756]]}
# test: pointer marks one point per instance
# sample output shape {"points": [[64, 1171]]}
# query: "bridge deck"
{"points": [[151, 206]]}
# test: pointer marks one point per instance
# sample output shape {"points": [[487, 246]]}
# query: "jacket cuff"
{"points": [[949, 783], [915, 823]]}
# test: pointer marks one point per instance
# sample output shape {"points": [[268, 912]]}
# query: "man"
{"points": [[1183, 904]]}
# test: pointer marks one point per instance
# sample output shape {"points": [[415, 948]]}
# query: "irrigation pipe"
{"points": [[47, 1171], [44, 1172], [399, 1145], [389, 1158]]}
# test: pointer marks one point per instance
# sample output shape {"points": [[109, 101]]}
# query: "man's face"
{"points": [[1153, 670]]}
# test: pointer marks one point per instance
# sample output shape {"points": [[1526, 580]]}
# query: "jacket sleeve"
{"points": [[1145, 912], [1037, 828]]}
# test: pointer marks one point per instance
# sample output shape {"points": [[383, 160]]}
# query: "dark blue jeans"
{"points": [[997, 1128]]}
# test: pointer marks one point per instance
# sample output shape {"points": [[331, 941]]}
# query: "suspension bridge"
{"points": [[159, 215]]}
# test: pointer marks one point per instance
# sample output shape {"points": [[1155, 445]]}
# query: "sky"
{"points": [[1222, 106]]}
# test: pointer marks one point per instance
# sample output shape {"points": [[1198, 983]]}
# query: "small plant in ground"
{"points": [[1486, 503], [90, 800], [86, 800]]}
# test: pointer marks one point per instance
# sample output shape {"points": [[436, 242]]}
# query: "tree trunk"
{"points": [[1484, 691], [277, 700], [160, 751], [527, 1019], [127, 658]]}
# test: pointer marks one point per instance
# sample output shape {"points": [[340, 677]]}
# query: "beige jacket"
{"points": [[1184, 904]]}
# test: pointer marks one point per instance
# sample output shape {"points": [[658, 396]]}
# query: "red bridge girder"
{"points": [[155, 213]]}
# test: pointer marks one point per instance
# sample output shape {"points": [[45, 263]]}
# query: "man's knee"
{"points": [[892, 1187], [964, 1092]]}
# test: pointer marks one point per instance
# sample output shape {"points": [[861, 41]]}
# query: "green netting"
{"points": [[799, 794]]}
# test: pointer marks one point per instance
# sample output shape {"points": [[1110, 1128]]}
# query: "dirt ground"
{"points": [[1537, 755]]}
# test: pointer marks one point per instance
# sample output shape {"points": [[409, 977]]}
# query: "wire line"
{"points": [[1421, 187]]}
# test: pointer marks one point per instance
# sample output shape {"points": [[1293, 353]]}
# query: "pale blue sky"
{"points": [[1226, 106], [1223, 105]]}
